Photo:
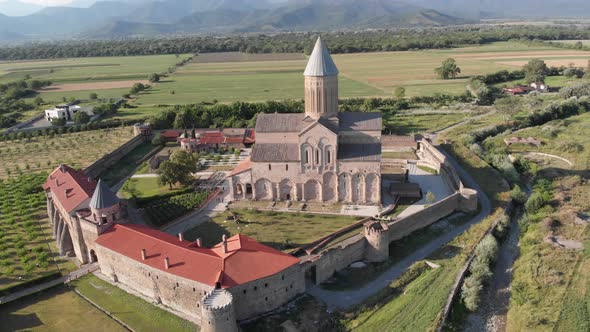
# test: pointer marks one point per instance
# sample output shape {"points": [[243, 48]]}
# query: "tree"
{"points": [[58, 122], [159, 139], [449, 69], [508, 106], [81, 117], [535, 71], [193, 134], [185, 159], [130, 187], [483, 94], [93, 96], [399, 92], [171, 173], [587, 71], [154, 78], [430, 197], [38, 101]]}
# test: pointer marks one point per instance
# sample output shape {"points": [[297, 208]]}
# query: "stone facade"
{"points": [[319, 156]]}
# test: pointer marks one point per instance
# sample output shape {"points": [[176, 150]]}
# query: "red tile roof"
{"points": [[69, 187], [242, 167], [171, 133], [245, 260]]}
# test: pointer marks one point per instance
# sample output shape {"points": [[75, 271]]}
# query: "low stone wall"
{"points": [[337, 258], [110, 159]]}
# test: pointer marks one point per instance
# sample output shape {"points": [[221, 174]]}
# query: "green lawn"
{"points": [[283, 231], [405, 124], [124, 167], [56, 309], [139, 314], [147, 187]]}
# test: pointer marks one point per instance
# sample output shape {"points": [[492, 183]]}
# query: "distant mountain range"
{"points": [[125, 18]]}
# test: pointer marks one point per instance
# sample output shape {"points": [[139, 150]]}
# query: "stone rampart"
{"points": [[403, 227], [110, 159], [337, 258], [170, 290]]}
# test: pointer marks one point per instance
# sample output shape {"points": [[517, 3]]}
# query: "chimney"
{"points": [[224, 243], [62, 168], [143, 254], [199, 244], [180, 237], [167, 263]]}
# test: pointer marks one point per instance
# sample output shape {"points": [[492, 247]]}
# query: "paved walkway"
{"points": [[37, 288], [346, 299], [427, 182], [148, 175]]}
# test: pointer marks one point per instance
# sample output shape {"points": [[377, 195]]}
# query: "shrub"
{"points": [[534, 203], [518, 195], [470, 292], [159, 139], [572, 147]]}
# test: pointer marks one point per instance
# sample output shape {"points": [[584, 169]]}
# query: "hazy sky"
{"points": [[49, 2]]}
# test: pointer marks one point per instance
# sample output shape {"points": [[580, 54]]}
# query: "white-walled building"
{"points": [[66, 112]]}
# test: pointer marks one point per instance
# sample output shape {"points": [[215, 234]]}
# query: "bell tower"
{"points": [[321, 83]]}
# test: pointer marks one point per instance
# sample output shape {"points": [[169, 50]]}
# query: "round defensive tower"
{"points": [[218, 313], [377, 240], [468, 201]]}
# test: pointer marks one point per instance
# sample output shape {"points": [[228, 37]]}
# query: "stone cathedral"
{"points": [[322, 155]]}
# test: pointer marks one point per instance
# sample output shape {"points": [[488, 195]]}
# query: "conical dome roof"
{"points": [[103, 197], [320, 62]]}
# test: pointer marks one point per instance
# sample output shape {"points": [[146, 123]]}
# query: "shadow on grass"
{"points": [[14, 322]]}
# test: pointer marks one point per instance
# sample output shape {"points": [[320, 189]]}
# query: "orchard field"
{"points": [[44, 153]]}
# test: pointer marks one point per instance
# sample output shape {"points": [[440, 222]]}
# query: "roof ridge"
{"points": [[208, 253]]}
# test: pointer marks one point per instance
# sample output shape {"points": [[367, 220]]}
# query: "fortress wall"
{"points": [[267, 294], [337, 258], [175, 292], [110, 159], [405, 226]]}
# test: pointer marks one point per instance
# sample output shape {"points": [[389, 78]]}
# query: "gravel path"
{"points": [[346, 299]]}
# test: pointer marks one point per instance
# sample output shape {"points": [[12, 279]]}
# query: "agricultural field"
{"points": [[228, 77], [282, 231], [109, 77], [584, 42], [27, 250], [44, 153]]}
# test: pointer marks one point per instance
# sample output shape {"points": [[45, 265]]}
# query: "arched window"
{"points": [[317, 156], [269, 167], [328, 156], [306, 156], [286, 167]]}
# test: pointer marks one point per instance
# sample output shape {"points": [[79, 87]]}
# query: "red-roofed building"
{"points": [[177, 273], [212, 140], [79, 210]]}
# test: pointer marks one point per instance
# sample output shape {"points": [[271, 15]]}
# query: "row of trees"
{"points": [[340, 42], [11, 104]]}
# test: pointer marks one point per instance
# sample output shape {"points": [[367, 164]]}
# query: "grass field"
{"points": [[57, 309], [146, 187], [45, 153], [283, 231], [137, 313]]}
